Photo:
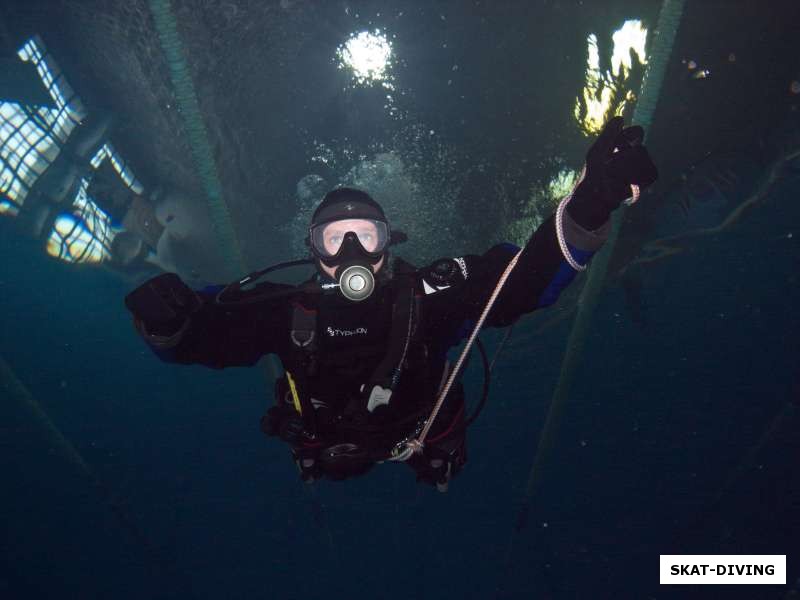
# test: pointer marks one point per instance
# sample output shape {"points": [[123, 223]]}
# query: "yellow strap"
{"points": [[295, 396]]}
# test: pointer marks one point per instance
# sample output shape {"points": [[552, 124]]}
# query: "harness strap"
{"points": [[384, 379], [303, 334]]}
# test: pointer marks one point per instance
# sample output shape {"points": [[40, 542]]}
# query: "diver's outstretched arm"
{"points": [[184, 326]]}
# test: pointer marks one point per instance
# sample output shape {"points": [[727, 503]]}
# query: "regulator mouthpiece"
{"points": [[356, 283]]}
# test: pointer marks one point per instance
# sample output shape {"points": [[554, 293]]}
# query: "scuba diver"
{"points": [[364, 342]]}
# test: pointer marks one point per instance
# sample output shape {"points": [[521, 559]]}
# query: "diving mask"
{"points": [[351, 247]]}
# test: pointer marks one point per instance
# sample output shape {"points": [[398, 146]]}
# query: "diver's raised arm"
{"points": [[617, 167]]}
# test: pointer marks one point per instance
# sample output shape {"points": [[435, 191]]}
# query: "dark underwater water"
{"points": [[680, 434]]}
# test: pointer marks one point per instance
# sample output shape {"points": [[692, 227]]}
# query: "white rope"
{"points": [[562, 206], [562, 242], [405, 449], [635, 193]]}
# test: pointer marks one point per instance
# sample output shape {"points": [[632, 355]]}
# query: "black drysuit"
{"points": [[352, 338]]}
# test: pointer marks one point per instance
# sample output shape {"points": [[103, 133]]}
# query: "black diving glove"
{"points": [[616, 160], [163, 304]]}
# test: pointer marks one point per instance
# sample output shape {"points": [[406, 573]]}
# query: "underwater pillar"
{"points": [[25, 425], [668, 21], [13, 391], [202, 156]]}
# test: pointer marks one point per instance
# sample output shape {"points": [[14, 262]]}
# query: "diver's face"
{"points": [[333, 236]]}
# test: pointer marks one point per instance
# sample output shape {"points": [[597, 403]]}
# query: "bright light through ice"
{"points": [[368, 56], [607, 93], [631, 36]]}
